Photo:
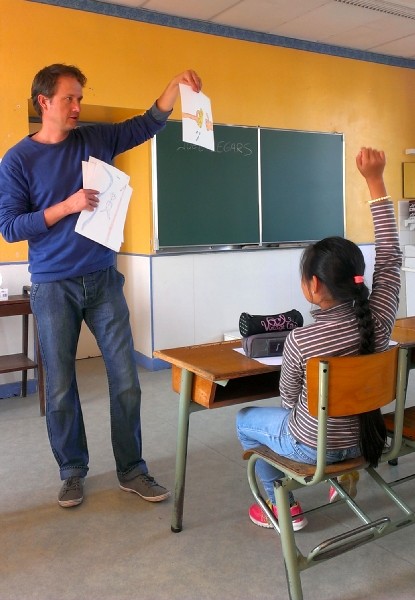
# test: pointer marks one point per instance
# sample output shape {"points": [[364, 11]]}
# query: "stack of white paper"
{"points": [[105, 224]]}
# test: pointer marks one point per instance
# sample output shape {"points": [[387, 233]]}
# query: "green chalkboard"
{"points": [[302, 186], [289, 189], [207, 198]]}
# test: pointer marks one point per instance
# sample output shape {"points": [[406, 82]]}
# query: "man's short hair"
{"points": [[46, 79]]}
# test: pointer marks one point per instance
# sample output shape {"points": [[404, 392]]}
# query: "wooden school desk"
{"points": [[211, 376], [214, 375], [404, 334]]}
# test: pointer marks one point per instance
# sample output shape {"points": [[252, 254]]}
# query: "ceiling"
{"points": [[378, 26]]}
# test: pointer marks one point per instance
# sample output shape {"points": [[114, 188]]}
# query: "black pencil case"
{"points": [[252, 324], [261, 345]]}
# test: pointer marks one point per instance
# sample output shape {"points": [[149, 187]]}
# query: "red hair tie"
{"points": [[358, 279]]}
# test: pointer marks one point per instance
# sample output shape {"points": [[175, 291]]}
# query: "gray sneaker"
{"points": [[72, 492], [146, 487]]}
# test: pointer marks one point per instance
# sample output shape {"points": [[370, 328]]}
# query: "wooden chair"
{"points": [[338, 386]]}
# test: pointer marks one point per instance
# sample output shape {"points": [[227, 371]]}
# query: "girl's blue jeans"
{"points": [[59, 308], [258, 425]]}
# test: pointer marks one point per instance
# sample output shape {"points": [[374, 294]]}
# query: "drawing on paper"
{"points": [[197, 121]]}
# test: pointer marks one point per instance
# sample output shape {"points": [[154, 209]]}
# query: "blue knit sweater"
{"points": [[34, 176]]}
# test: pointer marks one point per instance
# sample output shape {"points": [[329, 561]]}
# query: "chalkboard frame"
{"points": [[256, 201]]}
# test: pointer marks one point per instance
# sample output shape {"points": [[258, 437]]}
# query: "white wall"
{"points": [[137, 289], [198, 297]]}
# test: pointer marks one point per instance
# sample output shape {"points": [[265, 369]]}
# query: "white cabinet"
{"points": [[409, 271]]}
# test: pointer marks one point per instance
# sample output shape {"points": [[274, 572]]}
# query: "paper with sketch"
{"points": [[265, 360], [105, 224], [197, 118]]}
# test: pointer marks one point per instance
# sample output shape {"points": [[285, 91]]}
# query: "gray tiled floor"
{"points": [[116, 546]]}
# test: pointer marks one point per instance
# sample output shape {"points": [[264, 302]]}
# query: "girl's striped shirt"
{"points": [[335, 333]]}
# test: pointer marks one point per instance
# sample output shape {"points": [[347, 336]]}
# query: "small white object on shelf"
{"points": [[410, 223], [4, 292]]}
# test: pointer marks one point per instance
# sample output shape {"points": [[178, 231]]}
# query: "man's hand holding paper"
{"points": [[84, 199]]}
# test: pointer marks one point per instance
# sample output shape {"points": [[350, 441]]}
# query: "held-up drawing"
{"points": [[197, 118]]}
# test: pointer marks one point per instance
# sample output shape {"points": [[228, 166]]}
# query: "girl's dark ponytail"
{"points": [[340, 265], [372, 426]]}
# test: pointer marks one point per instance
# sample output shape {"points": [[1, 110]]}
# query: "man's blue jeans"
{"points": [[60, 307], [259, 425]]}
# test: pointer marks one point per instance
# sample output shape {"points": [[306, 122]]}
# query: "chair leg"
{"points": [[289, 548]]}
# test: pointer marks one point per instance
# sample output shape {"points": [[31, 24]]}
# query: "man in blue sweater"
{"points": [[74, 278]]}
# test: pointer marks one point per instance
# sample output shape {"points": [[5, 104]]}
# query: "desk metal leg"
{"points": [[181, 450]]}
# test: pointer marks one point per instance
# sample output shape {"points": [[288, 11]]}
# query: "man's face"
{"points": [[63, 109]]}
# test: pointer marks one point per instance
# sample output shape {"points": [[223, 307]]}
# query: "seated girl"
{"points": [[349, 320]]}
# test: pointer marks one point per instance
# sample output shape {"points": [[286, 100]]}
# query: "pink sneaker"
{"points": [[257, 516]]}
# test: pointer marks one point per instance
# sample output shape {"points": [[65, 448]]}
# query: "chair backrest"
{"points": [[355, 384]]}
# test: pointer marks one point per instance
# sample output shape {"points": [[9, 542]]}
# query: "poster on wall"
{"points": [[409, 180]]}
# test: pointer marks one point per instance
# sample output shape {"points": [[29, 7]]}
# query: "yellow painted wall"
{"points": [[128, 63]]}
